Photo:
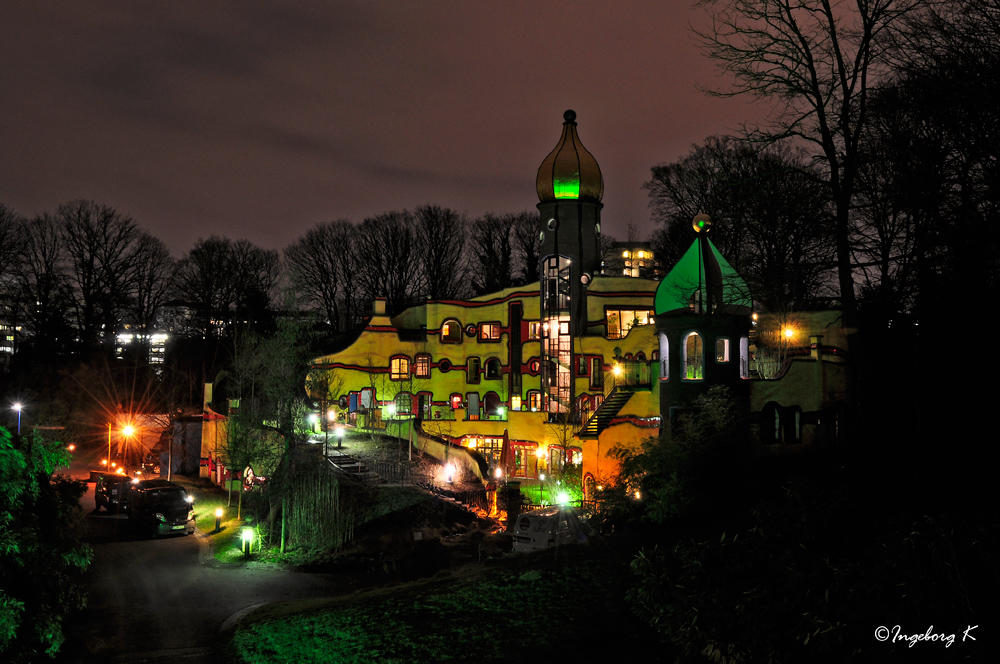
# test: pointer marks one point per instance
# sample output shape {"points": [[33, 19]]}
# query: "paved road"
{"points": [[162, 600]]}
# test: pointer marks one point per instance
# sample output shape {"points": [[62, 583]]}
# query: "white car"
{"points": [[549, 526]]}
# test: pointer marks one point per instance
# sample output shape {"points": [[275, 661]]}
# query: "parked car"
{"points": [[549, 526], [151, 465], [111, 492], [161, 507]]}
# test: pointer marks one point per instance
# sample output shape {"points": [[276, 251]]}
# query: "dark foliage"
{"points": [[41, 557]]}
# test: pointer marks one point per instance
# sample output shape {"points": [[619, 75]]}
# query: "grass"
{"points": [[206, 500], [554, 606]]}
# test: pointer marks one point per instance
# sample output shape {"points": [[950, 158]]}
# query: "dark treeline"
{"points": [[72, 280]]}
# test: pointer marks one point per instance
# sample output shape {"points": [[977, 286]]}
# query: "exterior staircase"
{"points": [[606, 412]]}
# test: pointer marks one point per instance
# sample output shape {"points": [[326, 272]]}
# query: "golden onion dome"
{"points": [[570, 172]]}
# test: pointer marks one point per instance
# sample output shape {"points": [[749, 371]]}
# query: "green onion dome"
{"points": [[570, 172]]}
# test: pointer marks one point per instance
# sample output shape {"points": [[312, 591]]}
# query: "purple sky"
{"points": [[258, 120]]}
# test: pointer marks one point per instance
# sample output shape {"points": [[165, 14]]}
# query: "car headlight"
{"points": [[190, 514]]}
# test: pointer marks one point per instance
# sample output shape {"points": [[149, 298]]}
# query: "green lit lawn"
{"points": [[205, 503], [563, 609]]}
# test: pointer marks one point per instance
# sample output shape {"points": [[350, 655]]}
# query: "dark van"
{"points": [[161, 507], [111, 492]]}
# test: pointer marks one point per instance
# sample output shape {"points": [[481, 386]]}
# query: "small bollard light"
{"points": [[218, 519], [247, 539]]}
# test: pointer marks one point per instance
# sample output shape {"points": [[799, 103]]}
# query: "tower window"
{"points": [[722, 349], [693, 359]]}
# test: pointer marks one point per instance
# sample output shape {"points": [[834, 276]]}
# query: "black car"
{"points": [[161, 507], [111, 492]]}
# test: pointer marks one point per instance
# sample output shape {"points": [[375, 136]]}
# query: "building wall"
{"points": [[453, 388]]}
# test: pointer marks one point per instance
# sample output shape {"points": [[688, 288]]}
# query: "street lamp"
{"points": [[17, 407]]}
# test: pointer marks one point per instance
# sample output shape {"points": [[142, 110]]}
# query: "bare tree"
{"points": [[99, 243], [152, 278], [315, 265], [817, 60], [492, 253], [526, 229], [10, 243], [441, 240], [43, 291], [228, 281], [388, 260]]}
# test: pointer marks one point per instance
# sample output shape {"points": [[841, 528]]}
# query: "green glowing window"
{"points": [[567, 188], [694, 357]]}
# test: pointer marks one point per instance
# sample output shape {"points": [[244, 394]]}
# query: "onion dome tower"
{"points": [[570, 187], [702, 309]]}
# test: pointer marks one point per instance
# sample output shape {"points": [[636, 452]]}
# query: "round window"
{"points": [[552, 224], [444, 366]]}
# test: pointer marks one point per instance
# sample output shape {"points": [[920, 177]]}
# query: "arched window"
{"points": [[492, 405], [664, 357], [722, 349], [693, 357], [492, 368], [451, 332]]}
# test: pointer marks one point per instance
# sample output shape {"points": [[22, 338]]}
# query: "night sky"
{"points": [[258, 120]]}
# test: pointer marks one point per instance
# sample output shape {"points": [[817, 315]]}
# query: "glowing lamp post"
{"points": [[18, 408], [246, 541], [218, 519], [340, 437]]}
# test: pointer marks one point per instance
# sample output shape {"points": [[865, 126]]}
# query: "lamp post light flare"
{"points": [[18, 407]]}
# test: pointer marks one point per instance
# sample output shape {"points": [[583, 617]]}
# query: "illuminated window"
{"points": [[489, 332], [456, 400], [399, 368], [534, 401], [620, 321], [534, 330], [557, 458], [451, 332], [693, 358], [722, 349], [664, 358], [422, 366]]}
